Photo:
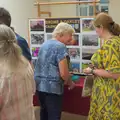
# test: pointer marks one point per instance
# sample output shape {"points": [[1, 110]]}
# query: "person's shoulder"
{"points": [[20, 38], [59, 45], [113, 42]]}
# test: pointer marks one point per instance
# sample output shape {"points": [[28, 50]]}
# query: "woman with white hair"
{"points": [[16, 79], [51, 72]]}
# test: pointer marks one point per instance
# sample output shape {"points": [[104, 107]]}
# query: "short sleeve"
{"points": [[61, 52]]}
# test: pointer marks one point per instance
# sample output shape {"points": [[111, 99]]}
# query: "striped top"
{"points": [[16, 94]]}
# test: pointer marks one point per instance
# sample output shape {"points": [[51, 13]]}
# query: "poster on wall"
{"points": [[86, 42], [37, 25], [52, 23], [37, 36], [37, 39], [90, 40]]}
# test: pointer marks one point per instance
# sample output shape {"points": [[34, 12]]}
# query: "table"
{"points": [[73, 102]]}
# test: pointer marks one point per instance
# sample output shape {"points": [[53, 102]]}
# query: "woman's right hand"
{"points": [[71, 86]]}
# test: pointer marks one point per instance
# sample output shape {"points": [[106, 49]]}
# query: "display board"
{"points": [[87, 41]]}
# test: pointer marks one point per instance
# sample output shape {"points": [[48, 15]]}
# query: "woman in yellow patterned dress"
{"points": [[105, 99]]}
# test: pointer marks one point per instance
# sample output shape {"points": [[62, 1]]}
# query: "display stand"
{"points": [[87, 41]]}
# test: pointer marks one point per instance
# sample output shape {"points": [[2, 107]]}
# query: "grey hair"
{"points": [[63, 28]]}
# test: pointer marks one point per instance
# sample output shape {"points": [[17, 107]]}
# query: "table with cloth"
{"points": [[73, 102]]}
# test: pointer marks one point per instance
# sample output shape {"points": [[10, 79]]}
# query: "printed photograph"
{"points": [[90, 40], [74, 53], [37, 25], [75, 67], [35, 51], [85, 65], [49, 36], [37, 38], [87, 25], [75, 40], [87, 53]]}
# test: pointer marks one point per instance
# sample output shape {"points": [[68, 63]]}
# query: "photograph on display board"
{"points": [[52, 23], [85, 64], [37, 25], [37, 38], [87, 25], [75, 67], [75, 40], [35, 51], [87, 53], [90, 40], [74, 53], [49, 36]]}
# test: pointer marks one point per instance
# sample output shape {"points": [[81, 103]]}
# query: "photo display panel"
{"points": [[86, 41]]}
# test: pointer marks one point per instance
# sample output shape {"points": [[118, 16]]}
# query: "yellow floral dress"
{"points": [[105, 99]]}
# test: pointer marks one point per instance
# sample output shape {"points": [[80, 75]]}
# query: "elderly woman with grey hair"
{"points": [[52, 72], [17, 85]]}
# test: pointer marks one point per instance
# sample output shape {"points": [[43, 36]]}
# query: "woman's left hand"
{"points": [[87, 70]]}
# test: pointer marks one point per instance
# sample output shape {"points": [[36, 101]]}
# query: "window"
{"points": [[87, 10]]}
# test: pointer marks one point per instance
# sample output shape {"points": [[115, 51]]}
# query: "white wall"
{"points": [[114, 9], [63, 10], [20, 11]]}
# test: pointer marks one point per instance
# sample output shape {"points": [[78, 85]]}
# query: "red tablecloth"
{"points": [[72, 100]]}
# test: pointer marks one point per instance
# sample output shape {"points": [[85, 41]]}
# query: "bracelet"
{"points": [[92, 71]]}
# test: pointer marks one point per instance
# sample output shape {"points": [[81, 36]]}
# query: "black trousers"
{"points": [[51, 106]]}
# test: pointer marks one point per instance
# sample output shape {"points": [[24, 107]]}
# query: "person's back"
{"points": [[47, 69], [16, 79]]}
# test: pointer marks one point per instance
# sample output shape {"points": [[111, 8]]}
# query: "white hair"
{"points": [[62, 29]]}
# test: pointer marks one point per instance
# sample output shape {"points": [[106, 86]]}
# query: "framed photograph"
{"points": [[90, 40], [35, 51], [49, 36], [37, 38], [75, 67], [87, 25], [87, 53], [76, 40], [37, 25], [52, 23], [74, 53]]}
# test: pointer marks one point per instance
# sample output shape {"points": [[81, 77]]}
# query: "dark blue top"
{"points": [[24, 46], [47, 74]]}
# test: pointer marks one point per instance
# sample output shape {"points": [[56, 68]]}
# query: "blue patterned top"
{"points": [[47, 74]]}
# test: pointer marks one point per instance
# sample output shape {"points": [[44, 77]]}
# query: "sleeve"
{"points": [[25, 48], [61, 52]]}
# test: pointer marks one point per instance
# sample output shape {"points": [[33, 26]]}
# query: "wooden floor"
{"points": [[65, 116]]}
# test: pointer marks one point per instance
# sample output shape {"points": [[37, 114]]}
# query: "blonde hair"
{"points": [[105, 21], [63, 28], [10, 52]]}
